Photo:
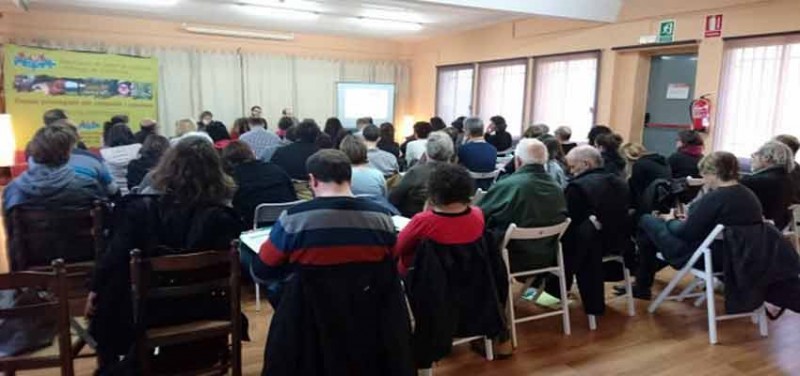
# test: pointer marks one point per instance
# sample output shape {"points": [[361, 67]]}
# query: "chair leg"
{"points": [[763, 329], [258, 297], [511, 319], [672, 284], [697, 282], [710, 303], [629, 290], [592, 322], [564, 298], [487, 344]]}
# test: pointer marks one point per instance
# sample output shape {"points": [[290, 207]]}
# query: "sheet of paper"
{"points": [[678, 91], [255, 238], [400, 222]]}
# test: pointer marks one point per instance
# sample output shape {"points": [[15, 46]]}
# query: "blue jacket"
{"points": [[56, 187]]}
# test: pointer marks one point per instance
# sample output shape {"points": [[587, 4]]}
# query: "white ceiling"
{"points": [[341, 17]]}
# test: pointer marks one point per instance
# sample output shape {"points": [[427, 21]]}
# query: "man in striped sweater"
{"points": [[333, 228]]}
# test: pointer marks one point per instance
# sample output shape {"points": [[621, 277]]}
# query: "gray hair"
{"points": [[473, 126], [439, 147], [563, 133], [776, 153], [531, 151], [588, 154]]}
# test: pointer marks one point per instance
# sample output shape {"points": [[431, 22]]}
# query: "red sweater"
{"points": [[442, 228]]}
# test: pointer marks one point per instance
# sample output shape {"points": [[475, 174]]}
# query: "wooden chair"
{"points": [[515, 233], [146, 290], [59, 354]]}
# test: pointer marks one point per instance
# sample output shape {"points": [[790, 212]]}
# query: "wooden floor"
{"points": [[674, 341]]}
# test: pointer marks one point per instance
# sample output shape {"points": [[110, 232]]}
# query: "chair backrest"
{"points": [[476, 199], [40, 235], [518, 233], [267, 214], [54, 309], [484, 175], [715, 234]]}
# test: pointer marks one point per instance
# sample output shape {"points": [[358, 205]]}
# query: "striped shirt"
{"points": [[330, 231]]}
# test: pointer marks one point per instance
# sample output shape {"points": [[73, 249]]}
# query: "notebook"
{"points": [[253, 239]]}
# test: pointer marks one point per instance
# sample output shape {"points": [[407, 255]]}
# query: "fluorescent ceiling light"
{"points": [[312, 6], [278, 13], [211, 30], [376, 24], [149, 3], [392, 15]]}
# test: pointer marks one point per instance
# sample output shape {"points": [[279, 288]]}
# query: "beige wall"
{"points": [[623, 76]]}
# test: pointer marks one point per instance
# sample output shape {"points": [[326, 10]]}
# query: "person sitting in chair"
{"points": [[476, 154]]}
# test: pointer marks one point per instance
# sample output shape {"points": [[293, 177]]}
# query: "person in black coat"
{"points": [[153, 148], [690, 151], [794, 144], [189, 215], [147, 127], [292, 158], [386, 142], [257, 182], [771, 182], [497, 135], [608, 144], [643, 168]]}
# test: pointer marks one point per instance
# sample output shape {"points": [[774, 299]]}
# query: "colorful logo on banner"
{"points": [[33, 61]]}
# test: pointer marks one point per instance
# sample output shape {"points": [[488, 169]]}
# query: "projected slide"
{"points": [[357, 100]]}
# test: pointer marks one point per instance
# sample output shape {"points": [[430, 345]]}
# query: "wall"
{"points": [[621, 94]]}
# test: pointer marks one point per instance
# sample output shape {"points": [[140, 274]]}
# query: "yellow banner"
{"points": [[90, 87]]}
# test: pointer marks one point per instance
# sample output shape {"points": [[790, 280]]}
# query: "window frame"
{"points": [[456, 67], [525, 61]]}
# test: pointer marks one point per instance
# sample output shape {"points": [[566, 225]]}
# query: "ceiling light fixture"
{"points": [[149, 3], [400, 15], [311, 6], [278, 13], [253, 34], [380, 24]]}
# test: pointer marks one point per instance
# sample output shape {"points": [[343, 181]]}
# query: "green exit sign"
{"points": [[666, 31]]}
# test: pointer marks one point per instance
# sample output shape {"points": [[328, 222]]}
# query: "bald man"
{"points": [[529, 198]]}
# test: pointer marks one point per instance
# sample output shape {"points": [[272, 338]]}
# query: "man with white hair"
{"points": [[411, 193], [771, 181], [476, 154], [528, 198]]}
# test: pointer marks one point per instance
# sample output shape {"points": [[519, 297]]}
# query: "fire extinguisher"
{"points": [[700, 112]]}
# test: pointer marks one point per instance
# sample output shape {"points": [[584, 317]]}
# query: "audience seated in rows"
{"points": [[153, 148], [188, 215], [386, 142], [690, 151], [262, 141], [381, 160], [563, 135], [497, 135], [292, 157], [794, 145], [416, 148], [365, 180], [147, 127], [527, 198], [476, 154], [411, 193], [608, 144], [772, 165], [120, 149], [257, 182], [642, 169]]}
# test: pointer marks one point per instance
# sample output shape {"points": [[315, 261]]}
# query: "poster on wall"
{"points": [[90, 87]]}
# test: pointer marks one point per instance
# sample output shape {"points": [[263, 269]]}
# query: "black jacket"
{"points": [[683, 164], [795, 177], [757, 259], [644, 172], [292, 158], [257, 183], [614, 163], [773, 186], [346, 319], [501, 141], [141, 135], [138, 168], [455, 291]]}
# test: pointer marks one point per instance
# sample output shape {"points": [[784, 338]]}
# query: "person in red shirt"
{"points": [[449, 219]]}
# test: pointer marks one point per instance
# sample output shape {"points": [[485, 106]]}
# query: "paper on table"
{"points": [[400, 222], [255, 238]]}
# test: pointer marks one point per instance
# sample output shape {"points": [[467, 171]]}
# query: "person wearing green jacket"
{"points": [[528, 198]]}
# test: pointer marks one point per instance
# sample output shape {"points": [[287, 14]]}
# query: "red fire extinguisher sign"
{"points": [[713, 26]]}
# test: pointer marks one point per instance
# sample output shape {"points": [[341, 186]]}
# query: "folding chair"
{"points": [[479, 193], [211, 273], [268, 213], [59, 354], [709, 278], [626, 278], [515, 233], [791, 230]]}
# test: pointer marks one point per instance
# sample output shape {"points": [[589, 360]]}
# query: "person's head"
{"points": [[217, 132], [632, 151], [387, 132], [609, 142], [154, 146], [459, 123], [285, 123], [534, 131], [544, 127], [51, 146], [307, 131], [473, 127], [184, 126], [773, 154], [596, 131], [236, 153], [584, 158], [191, 172], [719, 168], [371, 134], [689, 138], [148, 125], [255, 111], [363, 122], [287, 112], [116, 119], [422, 129], [241, 126], [291, 133], [449, 184], [563, 133], [54, 115], [530, 151], [437, 124], [333, 126], [355, 149], [257, 122], [206, 117], [329, 173], [439, 147], [791, 141], [324, 141], [554, 149], [120, 135], [499, 124]]}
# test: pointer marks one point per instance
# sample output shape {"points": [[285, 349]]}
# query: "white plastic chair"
{"points": [[626, 273], [485, 175], [267, 213], [476, 199], [707, 277], [516, 233]]}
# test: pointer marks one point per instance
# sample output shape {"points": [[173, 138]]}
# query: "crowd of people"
{"points": [[199, 190]]}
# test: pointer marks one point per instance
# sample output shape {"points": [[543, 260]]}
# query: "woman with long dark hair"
{"points": [[153, 148], [335, 130], [121, 148], [386, 142], [497, 135]]}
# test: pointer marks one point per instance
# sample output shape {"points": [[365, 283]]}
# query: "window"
{"points": [[454, 92], [759, 93], [502, 92], [565, 89]]}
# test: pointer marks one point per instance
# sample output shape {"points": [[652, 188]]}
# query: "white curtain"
{"points": [[564, 93], [759, 95], [501, 91], [454, 92], [217, 83], [315, 81], [269, 83]]}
